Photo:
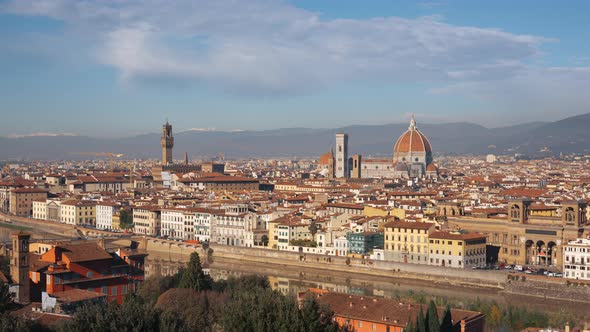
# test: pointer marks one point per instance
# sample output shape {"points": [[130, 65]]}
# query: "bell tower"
{"points": [[167, 143], [19, 266]]}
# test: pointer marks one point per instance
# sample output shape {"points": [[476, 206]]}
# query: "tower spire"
{"points": [[412, 123]]}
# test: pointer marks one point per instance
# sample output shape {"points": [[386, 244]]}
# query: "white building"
{"points": [[104, 214], [40, 209], [173, 223], [576, 259], [203, 221], [234, 229], [341, 246]]}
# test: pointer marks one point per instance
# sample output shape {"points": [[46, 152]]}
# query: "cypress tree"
{"points": [[432, 318], [421, 322], [193, 276], [409, 326], [446, 324]]}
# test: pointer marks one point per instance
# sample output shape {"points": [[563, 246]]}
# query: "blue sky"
{"points": [[106, 67]]}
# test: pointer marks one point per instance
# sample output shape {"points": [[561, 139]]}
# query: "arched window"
{"points": [[515, 212]]}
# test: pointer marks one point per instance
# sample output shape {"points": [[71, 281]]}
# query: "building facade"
{"points": [[341, 162], [167, 142], [455, 249], [21, 200], [407, 242], [576, 259], [147, 220]]}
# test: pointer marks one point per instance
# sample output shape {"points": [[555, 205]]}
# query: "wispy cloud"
{"points": [[271, 46], [41, 134]]}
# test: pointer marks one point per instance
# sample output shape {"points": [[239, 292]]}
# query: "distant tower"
{"points": [[19, 266], [186, 158], [331, 164], [167, 142], [356, 167], [342, 170]]}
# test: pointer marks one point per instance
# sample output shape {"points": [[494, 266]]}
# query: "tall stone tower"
{"points": [[167, 142], [342, 170], [19, 266]]}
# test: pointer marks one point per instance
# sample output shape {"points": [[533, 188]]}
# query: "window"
{"points": [[104, 290], [360, 324]]}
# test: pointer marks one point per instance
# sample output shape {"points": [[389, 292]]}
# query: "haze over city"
{"points": [[266, 64]]}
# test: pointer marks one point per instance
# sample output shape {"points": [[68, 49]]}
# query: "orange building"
{"points": [[369, 314], [86, 266]]}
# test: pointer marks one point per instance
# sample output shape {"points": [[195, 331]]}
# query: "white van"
{"points": [[518, 267]]}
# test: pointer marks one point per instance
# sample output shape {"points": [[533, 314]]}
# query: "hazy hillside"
{"points": [[567, 135]]}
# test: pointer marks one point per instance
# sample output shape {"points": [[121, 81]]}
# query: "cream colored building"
{"points": [[78, 212], [459, 250], [147, 220]]}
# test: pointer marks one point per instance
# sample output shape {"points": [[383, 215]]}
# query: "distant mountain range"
{"points": [[571, 135]]}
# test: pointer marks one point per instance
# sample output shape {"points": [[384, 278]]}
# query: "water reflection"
{"points": [[289, 280]]}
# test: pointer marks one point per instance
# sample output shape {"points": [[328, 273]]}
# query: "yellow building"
{"points": [[455, 249], [273, 234], [407, 241], [370, 211]]}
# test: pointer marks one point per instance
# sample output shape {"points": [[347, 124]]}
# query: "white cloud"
{"points": [[271, 47]]}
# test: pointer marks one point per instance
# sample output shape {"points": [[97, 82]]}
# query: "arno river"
{"points": [[292, 280]]}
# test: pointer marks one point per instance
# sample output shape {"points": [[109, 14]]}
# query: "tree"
{"points": [[446, 324], [6, 300], [313, 228], [409, 326], [495, 316], [193, 276], [432, 315], [125, 219], [264, 240], [317, 318], [133, 315], [421, 322]]}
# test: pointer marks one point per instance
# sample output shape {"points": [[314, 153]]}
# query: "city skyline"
{"points": [[115, 69]]}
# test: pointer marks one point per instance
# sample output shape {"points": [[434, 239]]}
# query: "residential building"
{"points": [[21, 200], [234, 229], [364, 243], [87, 266], [172, 223], [105, 211], [407, 241], [576, 260], [147, 220], [78, 212], [292, 231], [456, 249]]}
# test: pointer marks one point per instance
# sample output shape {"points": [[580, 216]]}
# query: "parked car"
{"points": [[518, 268], [558, 275], [509, 267]]}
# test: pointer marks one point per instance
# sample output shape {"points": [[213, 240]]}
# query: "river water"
{"points": [[293, 280]]}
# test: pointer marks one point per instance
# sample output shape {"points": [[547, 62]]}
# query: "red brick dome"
{"points": [[412, 141]]}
